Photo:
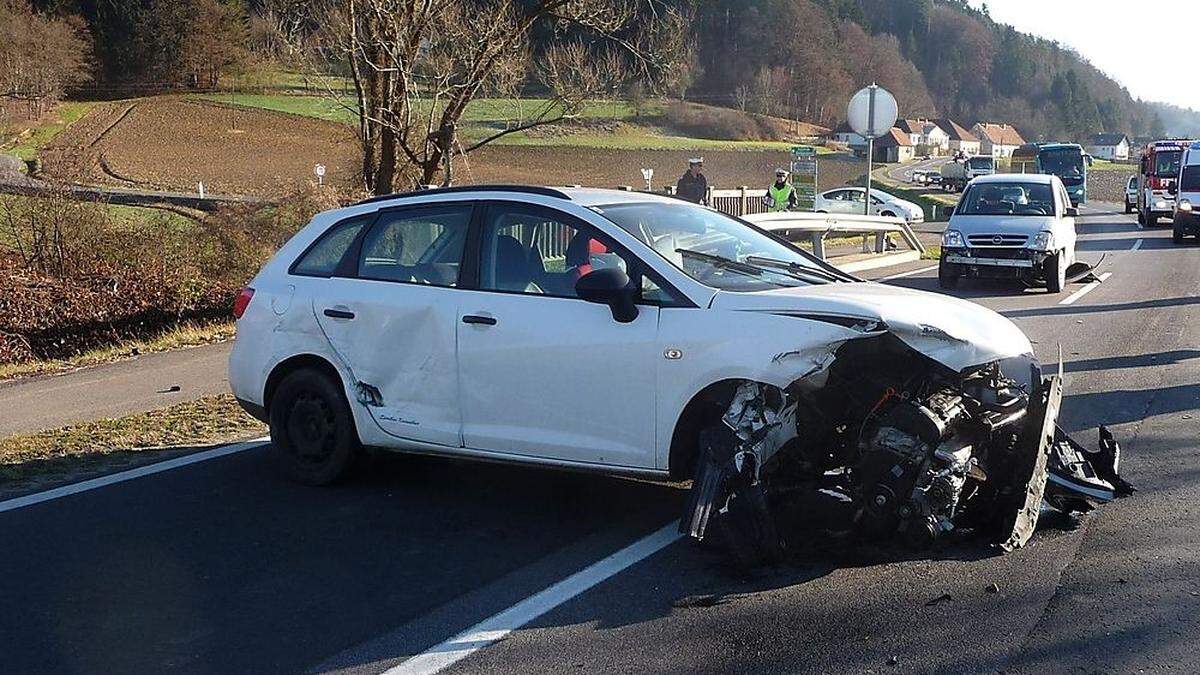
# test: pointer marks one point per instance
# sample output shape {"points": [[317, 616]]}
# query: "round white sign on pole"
{"points": [[872, 112], [319, 170]]}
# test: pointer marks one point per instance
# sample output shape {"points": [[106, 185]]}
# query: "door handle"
{"points": [[339, 313], [477, 320]]}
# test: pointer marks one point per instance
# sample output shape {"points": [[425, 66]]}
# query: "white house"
{"points": [[844, 134], [1109, 146], [894, 147], [997, 140], [960, 139]]}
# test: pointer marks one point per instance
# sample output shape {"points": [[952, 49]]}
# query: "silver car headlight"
{"points": [[1185, 205], [1043, 241], [953, 239], [1160, 205]]}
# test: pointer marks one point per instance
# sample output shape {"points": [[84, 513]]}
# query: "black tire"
{"points": [[313, 439], [1176, 236], [888, 214], [1128, 208], [1056, 273], [946, 278], [1141, 217]]}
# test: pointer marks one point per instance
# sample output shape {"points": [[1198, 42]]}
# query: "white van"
{"points": [[1187, 196]]}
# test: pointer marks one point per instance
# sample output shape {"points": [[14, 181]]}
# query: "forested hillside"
{"points": [[805, 57]]}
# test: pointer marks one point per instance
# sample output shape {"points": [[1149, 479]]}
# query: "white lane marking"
{"points": [[496, 627], [909, 273], [121, 477], [1070, 299], [1136, 245]]}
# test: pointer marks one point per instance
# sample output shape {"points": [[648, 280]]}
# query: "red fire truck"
{"points": [[1159, 173]]}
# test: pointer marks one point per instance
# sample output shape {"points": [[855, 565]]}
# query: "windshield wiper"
{"points": [[722, 262], [795, 268]]}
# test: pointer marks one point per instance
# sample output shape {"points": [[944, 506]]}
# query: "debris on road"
{"points": [[992, 588], [944, 597], [913, 447]]}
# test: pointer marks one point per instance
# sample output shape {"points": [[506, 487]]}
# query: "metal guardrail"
{"points": [[820, 225]]}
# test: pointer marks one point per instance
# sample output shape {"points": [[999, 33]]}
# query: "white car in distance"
{"points": [[850, 200], [626, 333]]}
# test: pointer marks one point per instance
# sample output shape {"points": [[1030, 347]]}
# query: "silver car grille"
{"points": [[998, 240]]}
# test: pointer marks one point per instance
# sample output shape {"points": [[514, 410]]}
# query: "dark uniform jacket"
{"points": [[692, 188]]}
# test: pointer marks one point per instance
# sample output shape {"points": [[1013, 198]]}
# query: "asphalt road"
{"points": [[219, 566], [112, 390]]}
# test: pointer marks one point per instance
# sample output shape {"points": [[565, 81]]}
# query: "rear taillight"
{"points": [[242, 302]]}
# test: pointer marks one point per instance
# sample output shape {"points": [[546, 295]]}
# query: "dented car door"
{"points": [[392, 321]]}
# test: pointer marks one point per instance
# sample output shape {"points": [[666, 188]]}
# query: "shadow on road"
{"points": [[1064, 310]]}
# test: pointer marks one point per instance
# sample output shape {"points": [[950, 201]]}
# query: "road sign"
{"points": [[804, 176], [648, 175], [320, 171], [872, 112]]}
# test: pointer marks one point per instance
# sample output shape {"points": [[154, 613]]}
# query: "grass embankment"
{"points": [[606, 125], [28, 143], [187, 335], [77, 452]]}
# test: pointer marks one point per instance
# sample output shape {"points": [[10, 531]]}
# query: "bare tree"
{"points": [[40, 55], [416, 66]]}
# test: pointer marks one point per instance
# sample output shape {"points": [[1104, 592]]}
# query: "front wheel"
{"points": [[313, 439], [947, 278], [1177, 236], [1056, 272]]}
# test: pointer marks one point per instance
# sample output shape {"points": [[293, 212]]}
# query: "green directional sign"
{"points": [[804, 176]]}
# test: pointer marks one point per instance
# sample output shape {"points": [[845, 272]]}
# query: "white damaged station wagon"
{"points": [[627, 333]]}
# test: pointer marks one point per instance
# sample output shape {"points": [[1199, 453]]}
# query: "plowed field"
{"points": [[174, 143]]}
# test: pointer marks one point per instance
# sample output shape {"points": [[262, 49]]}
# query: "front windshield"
{"points": [[1166, 164], [716, 249], [980, 163], [1066, 164], [1190, 180], [1007, 199]]}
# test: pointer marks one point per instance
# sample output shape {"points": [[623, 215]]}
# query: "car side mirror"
{"points": [[609, 286], [1071, 212]]}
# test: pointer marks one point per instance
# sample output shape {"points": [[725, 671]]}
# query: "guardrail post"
{"points": [[745, 208], [880, 242], [818, 244]]}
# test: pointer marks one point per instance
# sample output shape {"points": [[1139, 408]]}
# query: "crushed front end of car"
{"points": [[912, 448]]}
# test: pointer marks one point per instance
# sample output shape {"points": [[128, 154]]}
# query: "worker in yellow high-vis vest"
{"points": [[781, 196]]}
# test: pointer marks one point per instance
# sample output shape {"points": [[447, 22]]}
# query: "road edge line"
{"points": [[909, 273], [1070, 299], [498, 626], [130, 474]]}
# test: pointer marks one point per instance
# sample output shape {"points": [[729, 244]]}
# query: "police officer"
{"points": [[692, 185], [781, 196]]}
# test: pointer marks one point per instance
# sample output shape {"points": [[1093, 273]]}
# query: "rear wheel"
{"points": [[1056, 272], [1141, 217], [313, 439], [1177, 236]]}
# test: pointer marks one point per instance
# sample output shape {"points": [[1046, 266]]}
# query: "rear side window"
{"points": [[421, 245], [322, 258]]}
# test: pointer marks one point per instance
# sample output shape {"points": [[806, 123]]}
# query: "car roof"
{"points": [[579, 195], [1044, 178]]}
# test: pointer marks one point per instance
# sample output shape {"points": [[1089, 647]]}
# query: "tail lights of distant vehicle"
{"points": [[242, 301]]}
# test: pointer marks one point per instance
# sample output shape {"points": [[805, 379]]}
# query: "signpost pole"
{"points": [[872, 132]]}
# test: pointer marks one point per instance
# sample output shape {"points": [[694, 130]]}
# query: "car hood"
{"points": [[954, 332], [1028, 225]]}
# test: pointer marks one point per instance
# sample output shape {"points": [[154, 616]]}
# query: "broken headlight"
{"points": [[1043, 241]]}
